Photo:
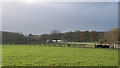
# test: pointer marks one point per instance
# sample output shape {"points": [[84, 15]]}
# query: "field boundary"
{"points": [[60, 67]]}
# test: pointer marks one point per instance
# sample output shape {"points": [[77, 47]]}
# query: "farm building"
{"points": [[54, 41]]}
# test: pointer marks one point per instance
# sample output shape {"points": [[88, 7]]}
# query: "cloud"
{"points": [[0, 17], [65, 16], [59, 1]]}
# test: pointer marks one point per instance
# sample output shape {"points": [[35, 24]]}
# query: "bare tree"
{"points": [[55, 32], [111, 36]]}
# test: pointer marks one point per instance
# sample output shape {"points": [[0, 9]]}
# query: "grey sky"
{"points": [[40, 18], [59, 0]]}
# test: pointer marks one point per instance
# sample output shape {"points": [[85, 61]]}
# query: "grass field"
{"points": [[26, 55]]}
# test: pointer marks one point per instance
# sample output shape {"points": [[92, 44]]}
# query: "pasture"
{"points": [[41, 55]]}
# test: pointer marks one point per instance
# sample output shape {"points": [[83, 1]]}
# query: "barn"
{"points": [[54, 41]]}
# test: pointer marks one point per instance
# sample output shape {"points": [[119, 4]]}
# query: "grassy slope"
{"points": [[57, 56]]}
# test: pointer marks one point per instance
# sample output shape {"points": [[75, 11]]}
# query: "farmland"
{"points": [[42, 55]]}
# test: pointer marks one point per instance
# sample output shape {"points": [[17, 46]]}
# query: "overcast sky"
{"points": [[40, 18]]}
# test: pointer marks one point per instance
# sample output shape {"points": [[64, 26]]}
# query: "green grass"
{"points": [[89, 46], [25, 55]]}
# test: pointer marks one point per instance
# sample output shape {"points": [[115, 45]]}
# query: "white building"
{"points": [[57, 41]]}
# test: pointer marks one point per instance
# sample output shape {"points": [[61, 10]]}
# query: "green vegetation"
{"points": [[76, 36], [42, 55]]}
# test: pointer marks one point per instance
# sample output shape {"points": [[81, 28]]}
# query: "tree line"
{"points": [[76, 36], [111, 36]]}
